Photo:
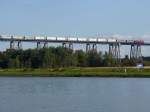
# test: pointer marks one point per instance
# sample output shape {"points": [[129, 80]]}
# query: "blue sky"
{"points": [[75, 17]]}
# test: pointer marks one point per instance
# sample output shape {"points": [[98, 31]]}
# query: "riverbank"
{"points": [[77, 72]]}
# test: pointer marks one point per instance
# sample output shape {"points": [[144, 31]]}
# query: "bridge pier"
{"points": [[64, 45], [114, 51], [41, 44], [19, 45], [71, 46], [45, 45], [88, 47], [68, 45], [94, 47], [38, 45], [135, 53], [13, 46]]}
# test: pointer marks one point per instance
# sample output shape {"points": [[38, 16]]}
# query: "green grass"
{"points": [[76, 72]]}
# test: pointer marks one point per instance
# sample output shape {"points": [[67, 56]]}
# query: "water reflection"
{"points": [[74, 95]]}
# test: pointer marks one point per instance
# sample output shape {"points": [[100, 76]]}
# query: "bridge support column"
{"points": [[45, 45], [94, 47], [12, 44], [88, 47], [42, 45], [19, 45], [70, 46], [135, 53], [114, 52], [15, 44], [64, 45], [38, 45]]}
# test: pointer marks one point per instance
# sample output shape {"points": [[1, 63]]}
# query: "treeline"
{"points": [[57, 57]]}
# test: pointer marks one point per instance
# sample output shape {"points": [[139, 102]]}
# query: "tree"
{"points": [[128, 62], [57, 57], [94, 59], [108, 60], [81, 58], [3, 60], [49, 58]]}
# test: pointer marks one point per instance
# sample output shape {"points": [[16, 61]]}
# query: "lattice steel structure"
{"points": [[114, 52], [136, 53]]}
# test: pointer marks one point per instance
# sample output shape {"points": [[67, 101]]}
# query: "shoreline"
{"points": [[77, 72]]}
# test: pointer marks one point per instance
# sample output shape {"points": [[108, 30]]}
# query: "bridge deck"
{"points": [[73, 40]]}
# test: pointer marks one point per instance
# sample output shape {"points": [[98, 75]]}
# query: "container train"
{"points": [[69, 39]]}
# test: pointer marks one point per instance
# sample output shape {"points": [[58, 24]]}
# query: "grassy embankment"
{"points": [[77, 72]]}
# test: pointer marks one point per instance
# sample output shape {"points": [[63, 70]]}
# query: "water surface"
{"points": [[74, 94]]}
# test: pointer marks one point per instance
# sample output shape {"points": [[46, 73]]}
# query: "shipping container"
{"points": [[82, 39], [51, 38], [61, 38], [139, 41], [122, 41], [72, 39], [92, 39], [102, 40], [6, 37], [130, 41], [112, 40], [40, 38], [29, 38], [18, 37]]}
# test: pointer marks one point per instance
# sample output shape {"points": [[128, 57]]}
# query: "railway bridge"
{"points": [[90, 43]]}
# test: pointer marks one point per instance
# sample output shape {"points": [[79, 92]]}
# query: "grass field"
{"points": [[77, 72]]}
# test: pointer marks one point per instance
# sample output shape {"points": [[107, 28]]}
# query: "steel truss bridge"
{"points": [[91, 44]]}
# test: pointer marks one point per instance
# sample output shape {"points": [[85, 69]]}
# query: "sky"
{"points": [[121, 18]]}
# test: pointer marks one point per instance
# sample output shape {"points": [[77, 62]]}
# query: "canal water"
{"points": [[74, 95]]}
